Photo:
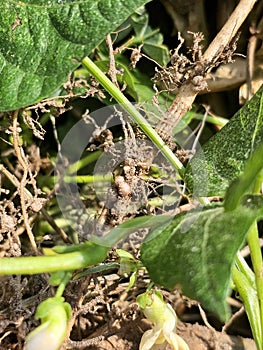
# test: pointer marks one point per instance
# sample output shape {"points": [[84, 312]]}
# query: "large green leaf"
{"points": [[223, 157], [195, 251], [42, 41]]}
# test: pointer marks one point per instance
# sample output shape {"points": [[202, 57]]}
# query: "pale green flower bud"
{"points": [[54, 314], [164, 321]]}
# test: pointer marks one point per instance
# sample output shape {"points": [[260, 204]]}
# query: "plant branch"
{"points": [[229, 30], [133, 113], [86, 255], [187, 94]]}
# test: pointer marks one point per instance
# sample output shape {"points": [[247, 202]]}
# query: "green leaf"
{"points": [[151, 38], [42, 42], [196, 251], [154, 48], [223, 157], [138, 84], [122, 231]]}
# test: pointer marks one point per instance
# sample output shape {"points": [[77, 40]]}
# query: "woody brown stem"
{"points": [[187, 93]]}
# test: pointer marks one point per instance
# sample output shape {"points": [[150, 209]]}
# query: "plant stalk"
{"points": [[248, 293], [245, 269], [257, 262], [134, 113], [62, 286], [255, 251], [89, 254]]}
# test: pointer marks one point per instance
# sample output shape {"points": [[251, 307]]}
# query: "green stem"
{"points": [[89, 254], [133, 112], [254, 247], [250, 300], [86, 179], [257, 262], [258, 183], [245, 269], [134, 40], [81, 163], [219, 121], [62, 286]]}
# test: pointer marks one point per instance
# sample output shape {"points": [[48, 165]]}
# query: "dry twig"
{"points": [[112, 70], [23, 162]]}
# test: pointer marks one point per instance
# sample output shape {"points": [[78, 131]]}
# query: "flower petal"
{"points": [[148, 339], [182, 344], [176, 341]]}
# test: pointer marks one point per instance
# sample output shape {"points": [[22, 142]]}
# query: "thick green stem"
{"points": [[89, 254], [69, 258], [134, 114]]}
